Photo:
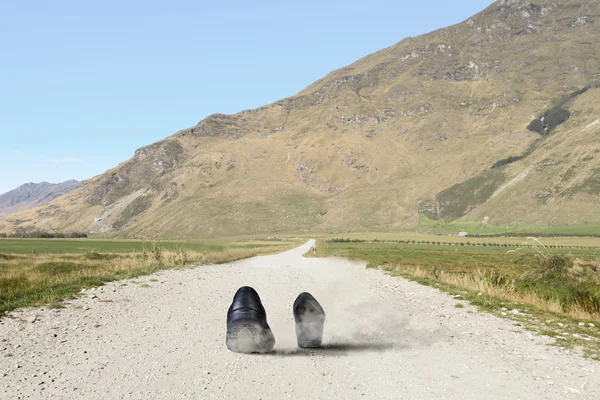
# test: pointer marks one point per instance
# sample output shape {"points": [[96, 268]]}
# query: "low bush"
{"points": [[549, 120], [58, 267], [46, 235]]}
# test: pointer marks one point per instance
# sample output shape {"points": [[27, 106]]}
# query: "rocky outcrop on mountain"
{"points": [[147, 168]]}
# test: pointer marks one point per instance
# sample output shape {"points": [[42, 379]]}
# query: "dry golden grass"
{"points": [[27, 280], [479, 282], [570, 325], [566, 280]]}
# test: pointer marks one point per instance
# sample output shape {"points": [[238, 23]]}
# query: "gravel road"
{"points": [[163, 337]]}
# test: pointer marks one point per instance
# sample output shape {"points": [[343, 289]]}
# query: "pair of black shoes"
{"points": [[249, 332]]}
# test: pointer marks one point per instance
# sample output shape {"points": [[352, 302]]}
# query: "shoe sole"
{"points": [[310, 334], [310, 324], [249, 337]]}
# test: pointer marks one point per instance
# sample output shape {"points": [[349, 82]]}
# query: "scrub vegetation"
{"points": [[551, 289], [562, 279], [59, 269]]}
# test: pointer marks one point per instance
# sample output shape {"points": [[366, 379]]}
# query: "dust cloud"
{"points": [[353, 322]]}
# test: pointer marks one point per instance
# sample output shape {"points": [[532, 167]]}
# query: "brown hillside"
{"points": [[373, 144]]}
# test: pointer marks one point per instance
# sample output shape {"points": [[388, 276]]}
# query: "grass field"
{"points": [[569, 241], [58, 246], [60, 268], [505, 268], [552, 291], [546, 284], [429, 226]]}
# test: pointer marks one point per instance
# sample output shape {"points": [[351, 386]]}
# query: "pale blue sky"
{"points": [[83, 84]]}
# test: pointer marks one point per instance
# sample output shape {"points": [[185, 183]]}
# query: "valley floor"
{"points": [[162, 337]]}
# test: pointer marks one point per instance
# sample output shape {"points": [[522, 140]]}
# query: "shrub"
{"points": [[511, 159], [78, 235], [555, 117], [45, 235], [92, 255], [536, 126], [57, 268], [156, 251], [553, 264], [550, 120]]}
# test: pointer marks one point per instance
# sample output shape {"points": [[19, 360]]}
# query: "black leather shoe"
{"points": [[310, 321], [247, 327]]}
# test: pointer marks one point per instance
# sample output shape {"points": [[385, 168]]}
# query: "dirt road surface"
{"points": [[163, 337]]}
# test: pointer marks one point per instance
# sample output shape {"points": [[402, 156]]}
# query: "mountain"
{"points": [[493, 120], [32, 195]]}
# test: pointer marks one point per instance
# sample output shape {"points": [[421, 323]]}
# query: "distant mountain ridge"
{"points": [[494, 120], [32, 195]]}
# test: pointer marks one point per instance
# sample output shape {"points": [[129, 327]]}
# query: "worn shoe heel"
{"points": [[310, 321], [249, 337]]}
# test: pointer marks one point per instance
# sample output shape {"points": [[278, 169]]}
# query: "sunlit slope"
{"points": [[559, 182], [372, 145]]}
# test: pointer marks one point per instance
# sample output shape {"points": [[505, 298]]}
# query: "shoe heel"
{"points": [[310, 335], [249, 338], [310, 321]]}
